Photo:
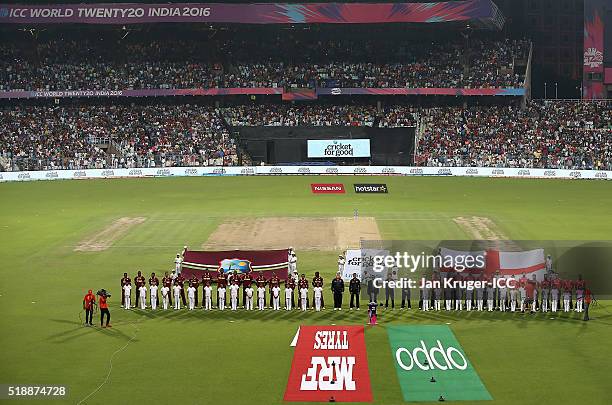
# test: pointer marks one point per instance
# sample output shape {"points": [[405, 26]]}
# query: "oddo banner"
{"points": [[330, 364], [431, 363]]}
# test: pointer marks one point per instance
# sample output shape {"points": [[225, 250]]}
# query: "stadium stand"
{"points": [[85, 65], [552, 134]]}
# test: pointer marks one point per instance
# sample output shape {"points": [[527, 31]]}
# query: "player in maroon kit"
{"points": [[206, 281], [261, 282], [139, 281], [194, 282], [167, 282], [153, 280], [274, 282], [221, 283], [303, 284], [580, 288], [290, 283], [317, 281], [246, 280], [125, 280], [531, 288], [235, 277], [180, 281]]}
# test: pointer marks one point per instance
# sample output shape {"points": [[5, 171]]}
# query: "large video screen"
{"points": [[338, 148]]}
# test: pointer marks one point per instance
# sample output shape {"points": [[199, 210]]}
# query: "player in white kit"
{"points": [[292, 259], [513, 295], [469, 293], [153, 296], [276, 298], [142, 291], [438, 298], [261, 298], [207, 297], [341, 262], [234, 295], [503, 293], [191, 297], [288, 296], [248, 303], [221, 294], [165, 291], [303, 298], [318, 293], [554, 297], [479, 298], [567, 294], [490, 295], [177, 264], [176, 289], [425, 297], [127, 289]]}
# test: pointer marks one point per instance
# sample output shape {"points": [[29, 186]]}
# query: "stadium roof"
{"points": [[480, 13]]}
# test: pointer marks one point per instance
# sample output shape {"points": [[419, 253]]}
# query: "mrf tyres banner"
{"points": [[330, 364], [431, 364]]}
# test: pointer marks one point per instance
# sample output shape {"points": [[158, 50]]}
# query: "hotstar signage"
{"points": [[431, 363], [371, 188]]}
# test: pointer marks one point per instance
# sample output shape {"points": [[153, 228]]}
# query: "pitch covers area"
{"points": [[58, 239]]}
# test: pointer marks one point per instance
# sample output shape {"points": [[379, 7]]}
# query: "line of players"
{"points": [[527, 294], [173, 291]]}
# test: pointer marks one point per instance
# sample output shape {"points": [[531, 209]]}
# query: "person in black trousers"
{"points": [[89, 302], [354, 289], [337, 287], [372, 291], [406, 296], [389, 293]]}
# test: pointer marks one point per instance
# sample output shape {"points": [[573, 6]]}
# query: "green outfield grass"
{"points": [[245, 358]]}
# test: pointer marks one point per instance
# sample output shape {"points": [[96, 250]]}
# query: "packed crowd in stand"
{"points": [[316, 115], [561, 135], [65, 137], [552, 134], [85, 65]]}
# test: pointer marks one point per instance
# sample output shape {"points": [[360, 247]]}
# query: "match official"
{"points": [[337, 287], [354, 289]]}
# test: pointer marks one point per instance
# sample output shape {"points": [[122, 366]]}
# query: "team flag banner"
{"points": [[330, 364], [432, 366], [528, 262], [508, 263], [243, 261]]}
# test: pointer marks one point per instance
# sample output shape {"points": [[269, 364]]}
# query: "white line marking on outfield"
{"points": [[111, 365]]}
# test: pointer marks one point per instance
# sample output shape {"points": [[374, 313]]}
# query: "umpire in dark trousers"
{"points": [[354, 289], [406, 296], [337, 287]]}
